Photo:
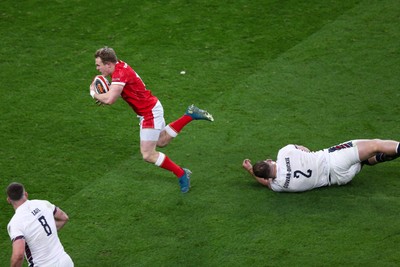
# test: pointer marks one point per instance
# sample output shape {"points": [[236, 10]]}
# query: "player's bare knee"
{"points": [[377, 145], [161, 143], [164, 139]]}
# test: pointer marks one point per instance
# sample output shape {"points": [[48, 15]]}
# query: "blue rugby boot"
{"points": [[198, 114], [184, 181]]}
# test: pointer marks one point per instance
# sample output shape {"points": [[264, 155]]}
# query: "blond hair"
{"points": [[106, 54]]}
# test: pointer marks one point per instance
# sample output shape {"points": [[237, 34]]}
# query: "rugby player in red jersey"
{"points": [[126, 83]]}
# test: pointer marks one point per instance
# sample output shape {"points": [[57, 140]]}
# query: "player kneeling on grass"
{"points": [[126, 83], [298, 169]]}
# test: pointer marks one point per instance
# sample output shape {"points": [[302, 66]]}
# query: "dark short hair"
{"points": [[106, 54], [15, 191], [261, 169]]}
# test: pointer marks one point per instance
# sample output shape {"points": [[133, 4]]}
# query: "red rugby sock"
{"points": [[180, 123], [169, 165]]}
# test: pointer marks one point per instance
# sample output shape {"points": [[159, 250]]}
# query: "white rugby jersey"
{"points": [[299, 171], [34, 221]]}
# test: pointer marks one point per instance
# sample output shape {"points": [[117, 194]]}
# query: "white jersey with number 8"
{"points": [[34, 222]]}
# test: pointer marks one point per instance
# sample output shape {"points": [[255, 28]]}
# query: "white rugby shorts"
{"points": [[344, 162], [65, 261], [152, 123], [62, 261]]}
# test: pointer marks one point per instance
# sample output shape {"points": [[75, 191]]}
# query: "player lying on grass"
{"points": [[298, 169], [126, 83]]}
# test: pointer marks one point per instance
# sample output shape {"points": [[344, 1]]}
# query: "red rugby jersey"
{"points": [[134, 93]]}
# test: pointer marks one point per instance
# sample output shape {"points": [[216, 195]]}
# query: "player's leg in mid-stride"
{"points": [[174, 128], [151, 138]]}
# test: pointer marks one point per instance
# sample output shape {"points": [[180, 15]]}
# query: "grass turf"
{"points": [[271, 73]]}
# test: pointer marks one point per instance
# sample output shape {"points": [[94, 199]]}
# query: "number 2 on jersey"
{"points": [[297, 173]]}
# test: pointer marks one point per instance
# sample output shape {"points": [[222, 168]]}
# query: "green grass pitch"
{"points": [[271, 72]]}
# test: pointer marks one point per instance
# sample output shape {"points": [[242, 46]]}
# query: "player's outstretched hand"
{"points": [[247, 165]]}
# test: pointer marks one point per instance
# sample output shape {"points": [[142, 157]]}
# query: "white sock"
{"points": [[160, 160]]}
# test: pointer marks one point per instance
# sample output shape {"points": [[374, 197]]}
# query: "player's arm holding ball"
{"points": [[111, 96], [104, 93]]}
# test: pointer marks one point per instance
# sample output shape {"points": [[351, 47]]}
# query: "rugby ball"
{"points": [[101, 84]]}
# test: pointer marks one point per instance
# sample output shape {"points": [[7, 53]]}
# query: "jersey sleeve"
{"points": [[286, 149], [50, 206], [15, 230]]}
